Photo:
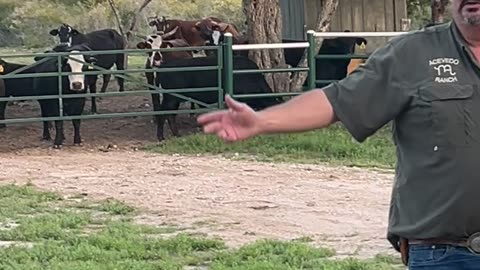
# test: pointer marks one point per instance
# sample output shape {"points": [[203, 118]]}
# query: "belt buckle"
{"points": [[473, 243]]}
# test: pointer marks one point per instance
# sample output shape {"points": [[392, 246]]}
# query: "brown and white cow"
{"points": [[188, 30]]}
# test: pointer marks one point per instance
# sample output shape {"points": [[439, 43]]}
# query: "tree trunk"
{"points": [[264, 25], [323, 23], [438, 10]]}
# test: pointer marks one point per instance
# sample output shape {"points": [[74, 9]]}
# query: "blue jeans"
{"points": [[442, 257]]}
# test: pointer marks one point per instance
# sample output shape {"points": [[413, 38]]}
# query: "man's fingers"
{"points": [[211, 117], [233, 104], [213, 127]]}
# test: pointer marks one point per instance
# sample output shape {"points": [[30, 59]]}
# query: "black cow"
{"points": [[17, 87], [243, 84], [71, 84], [327, 69], [100, 40]]}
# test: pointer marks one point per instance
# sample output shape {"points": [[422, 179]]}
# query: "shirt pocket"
{"points": [[451, 113]]}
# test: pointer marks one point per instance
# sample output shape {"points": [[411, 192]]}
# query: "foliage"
{"points": [[31, 20]]}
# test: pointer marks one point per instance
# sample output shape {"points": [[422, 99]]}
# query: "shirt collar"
{"points": [[457, 35]]}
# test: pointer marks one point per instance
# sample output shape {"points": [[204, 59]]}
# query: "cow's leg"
{"points": [[155, 97], [46, 124], [120, 64], [58, 135], [168, 103], [3, 106], [92, 84], [192, 107], [172, 123], [106, 80], [77, 140]]}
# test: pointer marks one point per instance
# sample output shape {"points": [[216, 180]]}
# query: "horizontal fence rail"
{"points": [[224, 69]]}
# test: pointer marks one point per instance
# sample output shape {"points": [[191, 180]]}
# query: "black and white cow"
{"points": [[71, 84], [99, 40]]}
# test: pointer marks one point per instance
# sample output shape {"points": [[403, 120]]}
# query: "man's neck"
{"points": [[471, 34]]}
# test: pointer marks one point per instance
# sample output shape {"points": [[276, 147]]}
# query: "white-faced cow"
{"points": [[100, 40], [71, 84]]}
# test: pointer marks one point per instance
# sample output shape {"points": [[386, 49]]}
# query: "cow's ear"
{"points": [[152, 23], [75, 32], [141, 45], [54, 32], [90, 59]]}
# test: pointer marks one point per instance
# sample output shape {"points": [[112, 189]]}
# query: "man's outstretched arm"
{"points": [[308, 111]]}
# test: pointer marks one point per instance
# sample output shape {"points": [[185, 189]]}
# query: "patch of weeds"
{"points": [[333, 144], [23, 200], [49, 226], [115, 207], [278, 255]]}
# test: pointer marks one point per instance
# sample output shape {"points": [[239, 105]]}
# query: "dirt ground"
{"points": [[343, 208]]}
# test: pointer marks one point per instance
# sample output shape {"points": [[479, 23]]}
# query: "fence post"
{"points": [[220, 64], [60, 86], [228, 64], [311, 59]]}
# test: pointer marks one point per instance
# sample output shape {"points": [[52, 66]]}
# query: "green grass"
{"points": [[334, 145], [54, 233]]}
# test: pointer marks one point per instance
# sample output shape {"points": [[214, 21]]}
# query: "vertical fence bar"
{"points": [[60, 86], [228, 66], [311, 59], [220, 74]]}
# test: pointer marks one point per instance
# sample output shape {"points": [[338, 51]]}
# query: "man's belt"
{"points": [[472, 243]]}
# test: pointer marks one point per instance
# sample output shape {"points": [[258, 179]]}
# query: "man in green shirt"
{"points": [[427, 82]]}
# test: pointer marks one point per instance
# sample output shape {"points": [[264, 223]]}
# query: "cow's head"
{"points": [[153, 42], [343, 45], [163, 25], [212, 32], [65, 34], [76, 63]]}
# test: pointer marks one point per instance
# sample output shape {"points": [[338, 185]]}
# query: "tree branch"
{"points": [[323, 23], [117, 18], [135, 17]]}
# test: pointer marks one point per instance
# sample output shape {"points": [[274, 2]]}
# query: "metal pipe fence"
{"points": [[224, 67]]}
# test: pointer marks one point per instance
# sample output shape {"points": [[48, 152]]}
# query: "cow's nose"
{"points": [[77, 86]]}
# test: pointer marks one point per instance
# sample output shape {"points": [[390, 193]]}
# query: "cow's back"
{"points": [[19, 86], [105, 39]]}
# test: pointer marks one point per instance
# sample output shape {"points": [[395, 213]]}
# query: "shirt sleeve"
{"points": [[371, 95]]}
